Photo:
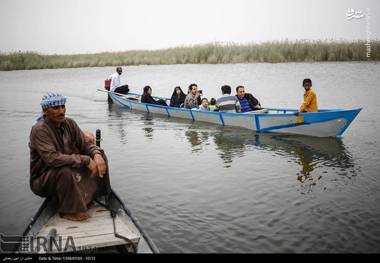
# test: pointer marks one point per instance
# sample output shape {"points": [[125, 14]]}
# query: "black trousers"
{"points": [[122, 89], [162, 103]]}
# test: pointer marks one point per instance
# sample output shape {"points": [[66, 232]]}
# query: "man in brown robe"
{"points": [[63, 162]]}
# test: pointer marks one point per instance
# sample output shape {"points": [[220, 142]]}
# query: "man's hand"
{"points": [[92, 167], [100, 164], [89, 137]]}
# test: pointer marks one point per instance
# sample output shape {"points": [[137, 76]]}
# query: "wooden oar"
{"points": [[120, 94], [133, 94], [107, 204]]}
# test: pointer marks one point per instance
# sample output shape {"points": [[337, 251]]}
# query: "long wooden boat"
{"points": [[325, 123], [101, 233]]}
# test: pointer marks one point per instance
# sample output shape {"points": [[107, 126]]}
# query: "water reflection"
{"points": [[148, 125], [305, 156], [312, 155], [116, 118], [315, 156], [230, 146], [309, 153], [197, 139]]}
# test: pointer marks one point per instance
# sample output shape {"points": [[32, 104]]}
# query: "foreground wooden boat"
{"points": [[49, 233], [325, 123], [111, 228]]}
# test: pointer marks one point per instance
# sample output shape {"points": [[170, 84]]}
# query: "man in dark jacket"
{"points": [[247, 101]]}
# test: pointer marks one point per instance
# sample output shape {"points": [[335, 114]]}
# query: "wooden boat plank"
{"points": [[100, 239], [98, 226], [92, 233], [95, 212], [97, 232]]}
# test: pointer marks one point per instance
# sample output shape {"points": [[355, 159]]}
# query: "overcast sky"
{"points": [[88, 26]]}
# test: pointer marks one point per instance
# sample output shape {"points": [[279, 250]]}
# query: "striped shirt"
{"points": [[228, 103]]}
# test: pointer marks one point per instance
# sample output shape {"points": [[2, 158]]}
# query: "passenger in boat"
{"points": [[212, 105], [247, 101], [228, 103], [204, 105], [191, 101], [199, 94], [310, 103], [116, 84], [147, 97], [64, 162], [178, 98]]}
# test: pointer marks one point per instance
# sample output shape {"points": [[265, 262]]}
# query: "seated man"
{"points": [[116, 83], [192, 98], [310, 103], [228, 103], [247, 101], [64, 162]]}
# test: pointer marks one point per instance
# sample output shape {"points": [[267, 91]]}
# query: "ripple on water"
{"points": [[204, 188]]}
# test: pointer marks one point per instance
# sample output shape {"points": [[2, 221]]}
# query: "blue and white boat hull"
{"points": [[325, 123]]}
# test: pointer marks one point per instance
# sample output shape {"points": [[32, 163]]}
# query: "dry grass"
{"points": [[272, 52]]}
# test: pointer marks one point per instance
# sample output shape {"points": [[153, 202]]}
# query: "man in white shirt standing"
{"points": [[115, 82]]}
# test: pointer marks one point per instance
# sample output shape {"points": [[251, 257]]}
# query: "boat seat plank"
{"points": [[92, 223], [90, 230], [96, 232]]}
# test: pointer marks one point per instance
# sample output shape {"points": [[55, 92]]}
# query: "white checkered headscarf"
{"points": [[52, 99]]}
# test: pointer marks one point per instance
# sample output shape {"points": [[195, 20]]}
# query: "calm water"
{"points": [[203, 188]]}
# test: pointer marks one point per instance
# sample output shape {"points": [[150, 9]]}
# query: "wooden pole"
{"points": [[98, 137]]}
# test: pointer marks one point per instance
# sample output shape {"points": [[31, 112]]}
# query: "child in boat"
{"points": [[204, 105], [310, 103], [212, 105]]}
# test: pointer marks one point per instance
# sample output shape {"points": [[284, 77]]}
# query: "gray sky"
{"points": [[88, 26]]}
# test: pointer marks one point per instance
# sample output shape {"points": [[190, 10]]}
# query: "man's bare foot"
{"points": [[76, 217]]}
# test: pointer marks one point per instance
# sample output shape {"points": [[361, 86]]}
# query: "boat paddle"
{"points": [[109, 192]]}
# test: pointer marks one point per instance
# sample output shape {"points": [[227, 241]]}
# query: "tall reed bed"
{"points": [[216, 53]]}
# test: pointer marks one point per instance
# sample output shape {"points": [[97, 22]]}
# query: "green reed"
{"points": [[215, 53]]}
